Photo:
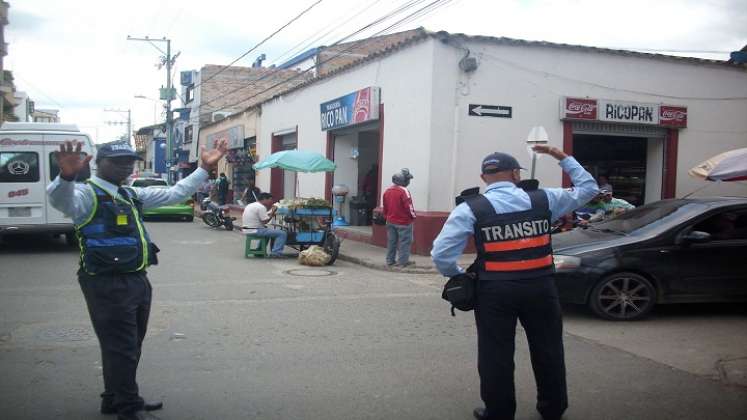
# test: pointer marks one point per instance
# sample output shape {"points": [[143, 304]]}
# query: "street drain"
{"points": [[310, 272]]}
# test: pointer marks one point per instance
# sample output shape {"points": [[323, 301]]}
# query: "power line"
{"points": [[260, 43], [392, 13], [437, 3], [313, 39], [26, 81]]}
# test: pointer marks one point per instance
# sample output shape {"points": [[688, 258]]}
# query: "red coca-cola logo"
{"points": [[578, 108], [581, 108], [674, 116], [18, 193]]}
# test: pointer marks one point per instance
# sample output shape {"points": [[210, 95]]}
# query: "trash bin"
{"points": [[358, 211]]}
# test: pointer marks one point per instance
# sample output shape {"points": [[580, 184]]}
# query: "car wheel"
{"points": [[623, 297]]}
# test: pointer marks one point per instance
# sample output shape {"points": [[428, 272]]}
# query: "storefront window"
{"points": [[242, 160]]}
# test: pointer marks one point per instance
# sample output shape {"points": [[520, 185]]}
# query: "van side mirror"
{"points": [[696, 237]]}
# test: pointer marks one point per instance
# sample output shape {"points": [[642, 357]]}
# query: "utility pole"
{"points": [[168, 94], [128, 122]]}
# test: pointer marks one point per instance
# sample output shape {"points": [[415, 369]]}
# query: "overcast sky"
{"points": [[73, 55]]}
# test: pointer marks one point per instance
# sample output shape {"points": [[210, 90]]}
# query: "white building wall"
{"points": [[533, 79], [405, 80]]}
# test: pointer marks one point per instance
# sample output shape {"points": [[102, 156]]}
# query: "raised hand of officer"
{"points": [[209, 158], [544, 149], [70, 160]]}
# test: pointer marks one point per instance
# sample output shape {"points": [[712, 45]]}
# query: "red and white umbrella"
{"points": [[728, 166]]}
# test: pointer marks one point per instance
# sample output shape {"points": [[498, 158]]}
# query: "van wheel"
{"points": [[71, 239]]}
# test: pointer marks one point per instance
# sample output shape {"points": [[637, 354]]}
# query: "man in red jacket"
{"points": [[399, 213]]}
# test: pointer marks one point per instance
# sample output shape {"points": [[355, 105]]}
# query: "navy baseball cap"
{"points": [[499, 162], [117, 149]]}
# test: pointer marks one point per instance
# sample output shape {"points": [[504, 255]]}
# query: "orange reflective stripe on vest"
{"points": [[518, 265], [517, 244]]}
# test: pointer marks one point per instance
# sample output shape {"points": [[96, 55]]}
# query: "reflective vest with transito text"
{"points": [[512, 245]]}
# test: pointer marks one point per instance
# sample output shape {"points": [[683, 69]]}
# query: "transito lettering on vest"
{"points": [[517, 230]]}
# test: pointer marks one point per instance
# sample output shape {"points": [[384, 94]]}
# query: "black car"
{"points": [[670, 251]]}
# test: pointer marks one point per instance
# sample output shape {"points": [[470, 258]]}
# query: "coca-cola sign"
{"points": [[580, 109], [673, 116]]}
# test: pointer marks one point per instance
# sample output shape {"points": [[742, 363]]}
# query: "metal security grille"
{"points": [[611, 129]]}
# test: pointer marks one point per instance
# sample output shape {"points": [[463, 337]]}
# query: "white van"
{"points": [[27, 166]]}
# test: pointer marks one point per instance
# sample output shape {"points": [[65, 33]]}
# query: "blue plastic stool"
{"points": [[260, 246]]}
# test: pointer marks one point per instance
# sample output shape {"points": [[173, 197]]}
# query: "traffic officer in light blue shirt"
{"points": [[511, 229], [115, 250]]}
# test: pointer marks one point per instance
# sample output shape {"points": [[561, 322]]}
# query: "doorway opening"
{"points": [[357, 155], [631, 165]]}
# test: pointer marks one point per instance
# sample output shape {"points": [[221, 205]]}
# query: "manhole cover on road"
{"points": [[310, 272]]}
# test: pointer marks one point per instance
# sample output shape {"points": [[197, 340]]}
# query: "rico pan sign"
{"points": [[354, 108]]}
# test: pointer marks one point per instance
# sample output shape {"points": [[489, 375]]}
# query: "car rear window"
{"points": [[19, 167], [149, 182]]}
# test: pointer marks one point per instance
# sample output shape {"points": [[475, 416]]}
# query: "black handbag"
{"points": [[461, 291]]}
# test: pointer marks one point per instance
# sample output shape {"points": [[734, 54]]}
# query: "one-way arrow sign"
{"points": [[497, 111]]}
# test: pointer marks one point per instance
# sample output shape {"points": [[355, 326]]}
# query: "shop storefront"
{"points": [[237, 163], [354, 139], [631, 145]]}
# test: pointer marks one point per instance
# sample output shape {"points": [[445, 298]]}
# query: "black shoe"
{"points": [[108, 408], [137, 415], [479, 414]]}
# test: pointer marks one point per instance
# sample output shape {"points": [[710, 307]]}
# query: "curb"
{"points": [[377, 266], [383, 267]]}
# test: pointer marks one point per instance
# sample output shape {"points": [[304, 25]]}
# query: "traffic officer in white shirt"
{"points": [[514, 267], [115, 250]]}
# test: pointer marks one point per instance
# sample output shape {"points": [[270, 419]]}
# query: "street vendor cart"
{"points": [[308, 221]]}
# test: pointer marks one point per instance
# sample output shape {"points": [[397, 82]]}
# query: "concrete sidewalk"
{"points": [[374, 257]]}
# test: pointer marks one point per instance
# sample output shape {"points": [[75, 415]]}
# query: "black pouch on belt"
{"points": [[460, 292]]}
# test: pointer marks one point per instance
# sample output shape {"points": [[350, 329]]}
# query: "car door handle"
{"points": [[664, 251]]}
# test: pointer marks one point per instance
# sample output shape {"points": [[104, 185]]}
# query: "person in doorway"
{"points": [[223, 184], [369, 189], [251, 193], [514, 269], [399, 213], [115, 251], [255, 219]]}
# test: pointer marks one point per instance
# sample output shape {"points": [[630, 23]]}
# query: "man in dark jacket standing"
{"points": [[223, 185]]}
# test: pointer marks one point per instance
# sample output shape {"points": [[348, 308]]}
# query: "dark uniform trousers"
{"points": [[534, 302], [119, 306]]}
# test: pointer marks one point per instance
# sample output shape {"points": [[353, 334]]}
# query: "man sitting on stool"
{"points": [[255, 219]]}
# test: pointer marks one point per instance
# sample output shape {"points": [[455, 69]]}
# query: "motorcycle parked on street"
{"points": [[215, 215]]}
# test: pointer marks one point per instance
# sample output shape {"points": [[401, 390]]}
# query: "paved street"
{"points": [[232, 338]]}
